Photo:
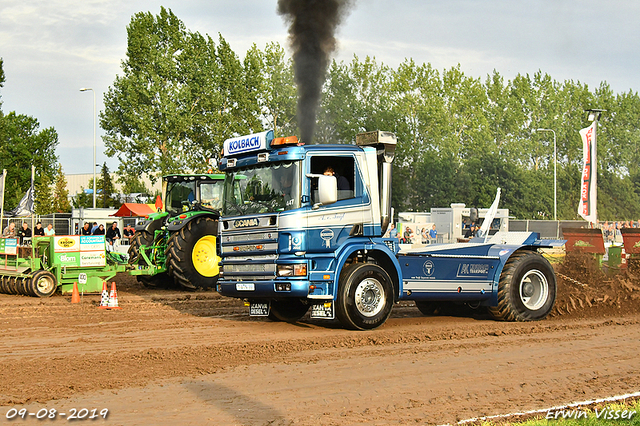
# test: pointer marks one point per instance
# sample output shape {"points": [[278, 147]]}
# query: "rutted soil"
{"points": [[170, 357]]}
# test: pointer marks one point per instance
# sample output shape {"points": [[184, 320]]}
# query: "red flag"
{"points": [[158, 203]]}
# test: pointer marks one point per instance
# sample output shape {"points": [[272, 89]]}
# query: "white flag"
{"points": [[588, 188], [2, 178], [488, 218]]}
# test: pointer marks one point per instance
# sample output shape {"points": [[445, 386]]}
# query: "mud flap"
{"points": [[259, 309], [323, 311]]}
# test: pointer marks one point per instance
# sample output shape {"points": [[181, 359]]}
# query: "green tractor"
{"points": [[178, 245]]}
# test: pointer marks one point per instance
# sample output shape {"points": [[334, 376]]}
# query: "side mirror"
{"points": [[327, 190]]}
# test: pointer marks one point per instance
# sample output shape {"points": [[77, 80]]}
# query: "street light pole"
{"points": [[555, 175], [84, 89]]}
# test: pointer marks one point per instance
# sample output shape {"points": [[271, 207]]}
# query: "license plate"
{"points": [[259, 310], [245, 286], [322, 311]]}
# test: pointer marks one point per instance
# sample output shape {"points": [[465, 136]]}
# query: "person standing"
{"points": [[9, 231], [128, 232], [393, 232], [38, 230], [25, 232], [113, 233], [99, 230], [433, 233], [86, 229], [49, 232]]}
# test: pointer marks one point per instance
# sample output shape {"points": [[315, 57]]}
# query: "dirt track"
{"points": [[170, 357]]}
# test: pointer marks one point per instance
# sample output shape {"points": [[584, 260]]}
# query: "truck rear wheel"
{"points": [[365, 297], [43, 284], [287, 310], [191, 254], [527, 288]]}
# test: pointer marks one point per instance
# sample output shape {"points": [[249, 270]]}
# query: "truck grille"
{"points": [[249, 256]]}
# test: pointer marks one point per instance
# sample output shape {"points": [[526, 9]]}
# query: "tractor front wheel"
{"points": [[192, 259]]}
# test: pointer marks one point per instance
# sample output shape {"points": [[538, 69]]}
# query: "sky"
{"points": [[52, 48]]}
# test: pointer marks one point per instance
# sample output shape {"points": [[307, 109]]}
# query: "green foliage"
{"points": [[22, 145], [60, 193], [181, 95], [105, 190]]}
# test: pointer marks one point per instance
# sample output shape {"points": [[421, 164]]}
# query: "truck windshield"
{"points": [[264, 188]]}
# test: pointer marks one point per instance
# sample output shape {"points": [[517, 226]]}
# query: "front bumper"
{"points": [[276, 289]]}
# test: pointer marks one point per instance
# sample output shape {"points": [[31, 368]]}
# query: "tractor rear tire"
{"points": [[527, 288], [43, 284], [365, 296], [192, 257], [287, 310]]}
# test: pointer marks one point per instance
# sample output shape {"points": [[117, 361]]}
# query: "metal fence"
{"points": [[546, 228], [61, 222]]}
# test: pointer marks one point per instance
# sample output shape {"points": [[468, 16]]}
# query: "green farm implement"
{"points": [[41, 265]]}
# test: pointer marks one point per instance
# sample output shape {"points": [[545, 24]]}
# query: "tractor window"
{"points": [[211, 194], [341, 167], [179, 196]]}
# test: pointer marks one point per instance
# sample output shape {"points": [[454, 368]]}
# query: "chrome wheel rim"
{"points": [[369, 297], [534, 289]]}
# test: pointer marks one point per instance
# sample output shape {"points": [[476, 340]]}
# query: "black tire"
{"points": [[162, 280], [140, 238], [430, 308], [365, 296], [527, 288], [199, 234], [3, 288], [43, 284], [287, 310], [11, 285], [23, 286]]}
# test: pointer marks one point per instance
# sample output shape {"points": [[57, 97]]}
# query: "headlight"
{"points": [[295, 270]]}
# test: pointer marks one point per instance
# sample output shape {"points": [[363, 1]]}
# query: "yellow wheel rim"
{"points": [[205, 259]]}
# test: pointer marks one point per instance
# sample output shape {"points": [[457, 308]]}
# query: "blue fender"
{"points": [[375, 248]]}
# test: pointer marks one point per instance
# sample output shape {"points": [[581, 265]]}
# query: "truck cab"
{"points": [[293, 216]]}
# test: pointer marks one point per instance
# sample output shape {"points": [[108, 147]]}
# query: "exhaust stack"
{"points": [[385, 144]]}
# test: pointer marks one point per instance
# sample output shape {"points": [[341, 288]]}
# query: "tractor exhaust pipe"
{"points": [[385, 144]]}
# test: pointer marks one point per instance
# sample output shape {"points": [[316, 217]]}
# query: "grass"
{"points": [[575, 416]]}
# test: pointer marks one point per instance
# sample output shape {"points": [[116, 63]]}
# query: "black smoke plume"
{"points": [[312, 27]]}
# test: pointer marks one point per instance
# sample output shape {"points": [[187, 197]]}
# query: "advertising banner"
{"points": [[66, 243], [8, 246], [588, 189]]}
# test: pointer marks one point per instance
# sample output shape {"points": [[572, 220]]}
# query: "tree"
{"points": [[24, 145], [180, 96], [106, 191], [61, 193]]}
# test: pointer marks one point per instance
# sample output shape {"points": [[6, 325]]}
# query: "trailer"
{"points": [[302, 229], [40, 265]]}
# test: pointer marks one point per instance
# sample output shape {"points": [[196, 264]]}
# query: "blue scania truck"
{"points": [[302, 228]]}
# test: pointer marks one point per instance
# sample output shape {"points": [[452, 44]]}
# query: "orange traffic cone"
{"points": [[104, 299], [113, 297], [75, 295]]}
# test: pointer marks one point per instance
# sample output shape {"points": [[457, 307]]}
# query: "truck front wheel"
{"points": [[527, 288], [365, 297], [191, 254]]}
